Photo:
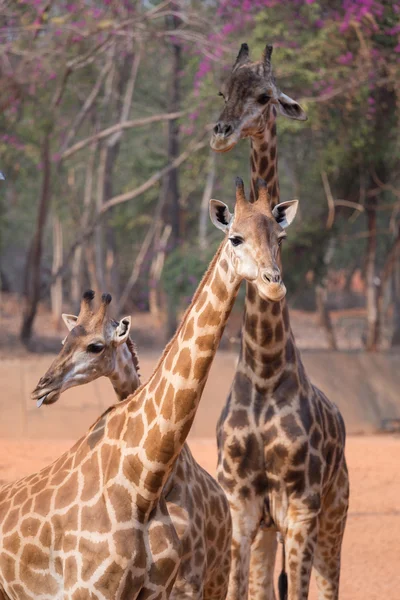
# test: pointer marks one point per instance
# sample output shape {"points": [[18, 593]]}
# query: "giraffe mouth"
{"points": [[221, 144], [45, 398], [273, 292]]}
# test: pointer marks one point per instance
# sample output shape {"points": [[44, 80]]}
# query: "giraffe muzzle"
{"points": [[45, 396]]}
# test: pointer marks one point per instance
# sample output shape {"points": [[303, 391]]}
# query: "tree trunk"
{"points": [[34, 259], [172, 207], [56, 290], [324, 316], [321, 296], [395, 340], [382, 290], [372, 334], [205, 201], [77, 261]]}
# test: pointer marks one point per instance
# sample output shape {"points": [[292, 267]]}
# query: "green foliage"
{"points": [[184, 268]]}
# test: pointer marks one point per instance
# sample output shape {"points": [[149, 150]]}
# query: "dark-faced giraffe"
{"points": [[88, 526], [196, 503], [281, 441]]}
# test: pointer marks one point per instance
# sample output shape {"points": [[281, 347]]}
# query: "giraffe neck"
{"points": [[264, 157], [161, 412], [125, 376], [267, 340]]}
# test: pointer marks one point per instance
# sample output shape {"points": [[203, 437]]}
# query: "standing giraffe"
{"points": [[196, 503], [88, 526], [280, 440]]}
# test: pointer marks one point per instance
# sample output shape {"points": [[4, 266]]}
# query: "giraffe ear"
{"points": [[285, 212], [69, 320], [122, 330], [290, 108], [220, 215]]}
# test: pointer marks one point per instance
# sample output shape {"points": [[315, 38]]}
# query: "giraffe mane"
{"points": [[133, 350]]}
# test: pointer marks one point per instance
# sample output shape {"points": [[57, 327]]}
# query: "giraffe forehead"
{"points": [[261, 230], [247, 79]]}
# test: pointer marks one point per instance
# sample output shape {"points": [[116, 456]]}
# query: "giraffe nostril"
{"points": [[276, 278], [227, 130], [218, 128], [266, 278]]}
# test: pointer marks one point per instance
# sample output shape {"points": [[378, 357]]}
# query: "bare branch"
{"points": [[329, 199], [154, 178], [350, 204], [193, 147], [85, 108], [384, 186], [127, 103], [119, 127]]}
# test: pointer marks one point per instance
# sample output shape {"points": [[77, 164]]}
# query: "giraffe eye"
{"points": [[280, 240], [236, 241], [95, 348], [263, 98], [221, 94]]}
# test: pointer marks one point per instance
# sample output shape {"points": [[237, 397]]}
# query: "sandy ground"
{"points": [[371, 549], [31, 438]]}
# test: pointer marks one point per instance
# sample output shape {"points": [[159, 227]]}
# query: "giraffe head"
{"points": [[89, 351], [255, 233], [251, 96]]}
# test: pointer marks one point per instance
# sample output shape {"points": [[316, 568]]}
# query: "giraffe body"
{"points": [[88, 526], [280, 440], [197, 505]]}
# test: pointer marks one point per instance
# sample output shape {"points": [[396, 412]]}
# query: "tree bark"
{"points": [[324, 316], [372, 334], [395, 339], [34, 258], [56, 291], [171, 206], [204, 207], [387, 271]]}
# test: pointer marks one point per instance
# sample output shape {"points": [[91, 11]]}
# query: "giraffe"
{"points": [[252, 100], [88, 526], [196, 503], [280, 440]]}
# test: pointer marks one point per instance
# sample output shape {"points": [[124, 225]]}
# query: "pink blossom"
{"points": [[345, 59]]}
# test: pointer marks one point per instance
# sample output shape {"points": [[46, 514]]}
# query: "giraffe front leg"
{"points": [[262, 562], [300, 541], [246, 517], [332, 522]]}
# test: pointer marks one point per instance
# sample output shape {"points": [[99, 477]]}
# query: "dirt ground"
{"points": [[370, 564], [31, 438]]}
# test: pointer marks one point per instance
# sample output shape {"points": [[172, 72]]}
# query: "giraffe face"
{"points": [[88, 352], [255, 235], [251, 99]]}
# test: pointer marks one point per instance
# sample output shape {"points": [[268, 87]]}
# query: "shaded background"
{"points": [[105, 115]]}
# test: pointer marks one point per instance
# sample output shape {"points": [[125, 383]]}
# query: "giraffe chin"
{"points": [[222, 145], [274, 292]]}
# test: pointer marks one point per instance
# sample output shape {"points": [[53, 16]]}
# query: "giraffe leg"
{"points": [[332, 522], [246, 518], [300, 542], [262, 562]]}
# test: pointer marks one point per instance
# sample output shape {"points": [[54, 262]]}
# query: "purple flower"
{"points": [[345, 59]]}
